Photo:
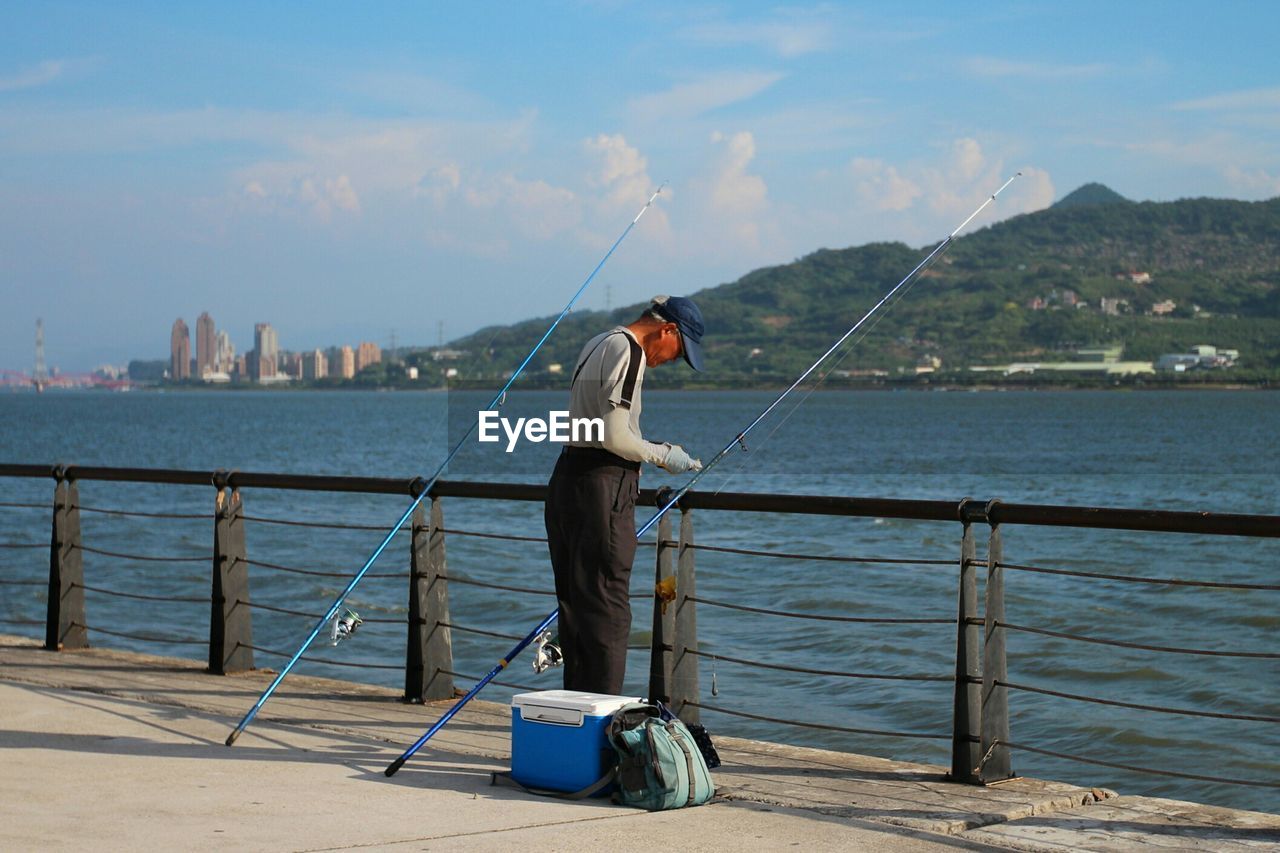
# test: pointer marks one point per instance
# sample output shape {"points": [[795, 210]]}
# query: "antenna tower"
{"points": [[41, 375]]}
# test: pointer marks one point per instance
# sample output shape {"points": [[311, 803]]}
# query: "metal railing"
{"points": [[980, 739]]}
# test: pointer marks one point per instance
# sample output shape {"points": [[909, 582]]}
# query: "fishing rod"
{"points": [[425, 487], [738, 441]]}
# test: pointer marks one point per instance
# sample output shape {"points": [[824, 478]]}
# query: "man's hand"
{"points": [[679, 462]]}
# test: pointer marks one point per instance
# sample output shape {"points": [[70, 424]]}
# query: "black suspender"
{"points": [[633, 373], [633, 368]]}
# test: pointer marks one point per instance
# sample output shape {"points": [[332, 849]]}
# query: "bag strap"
{"points": [[678, 737], [505, 779]]}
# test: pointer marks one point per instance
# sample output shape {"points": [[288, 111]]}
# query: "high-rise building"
{"points": [[367, 354], [315, 365], [206, 347], [179, 352], [347, 365], [225, 353], [266, 347]]}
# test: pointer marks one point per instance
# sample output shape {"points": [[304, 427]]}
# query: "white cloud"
{"points": [[785, 38], [735, 192], [341, 194], [966, 159], [882, 186], [543, 210], [1033, 191], [1246, 100], [1257, 183], [440, 183], [621, 169], [318, 196], [622, 173], [989, 66], [950, 186], [466, 203], [698, 97], [735, 201], [29, 78]]}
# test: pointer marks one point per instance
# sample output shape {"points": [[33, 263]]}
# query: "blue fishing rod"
{"points": [[738, 441], [497, 401]]}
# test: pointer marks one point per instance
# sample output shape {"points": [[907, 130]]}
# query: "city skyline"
{"points": [[389, 168], [267, 362]]}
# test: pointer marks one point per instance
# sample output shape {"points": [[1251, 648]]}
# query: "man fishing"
{"points": [[590, 509]]}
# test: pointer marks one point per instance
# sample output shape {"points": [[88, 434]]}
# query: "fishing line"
{"points": [[422, 487], [738, 441], [822, 378]]}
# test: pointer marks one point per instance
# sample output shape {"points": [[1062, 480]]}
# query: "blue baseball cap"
{"points": [[688, 319]]}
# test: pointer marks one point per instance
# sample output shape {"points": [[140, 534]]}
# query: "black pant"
{"points": [[591, 532]]}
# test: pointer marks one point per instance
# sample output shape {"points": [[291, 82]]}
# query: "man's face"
{"points": [[665, 346]]}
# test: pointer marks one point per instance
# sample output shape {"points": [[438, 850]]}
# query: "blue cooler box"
{"points": [[559, 738]]}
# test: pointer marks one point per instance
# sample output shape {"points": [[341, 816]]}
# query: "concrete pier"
{"points": [[112, 751]]}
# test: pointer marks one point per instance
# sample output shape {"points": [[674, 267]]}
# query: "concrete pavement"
{"points": [[112, 751]]}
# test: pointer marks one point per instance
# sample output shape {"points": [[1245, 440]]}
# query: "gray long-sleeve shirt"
{"points": [[600, 373]]}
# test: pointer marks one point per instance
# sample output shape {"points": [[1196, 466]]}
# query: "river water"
{"points": [[1210, 450]]}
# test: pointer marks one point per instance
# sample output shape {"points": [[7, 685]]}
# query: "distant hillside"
{"points": [[1091, 195], [1030, 287]]}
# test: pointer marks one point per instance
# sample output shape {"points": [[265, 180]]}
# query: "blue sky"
{"points": [[344, 170]]}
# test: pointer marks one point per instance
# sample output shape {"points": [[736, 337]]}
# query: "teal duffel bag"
{"points": [[659, 764]]}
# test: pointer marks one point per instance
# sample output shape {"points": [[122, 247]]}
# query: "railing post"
{"points": [[230, 619], [65, 620], [966, 731], [429, 652], [664, 615], [995, 762], [684, 665]]}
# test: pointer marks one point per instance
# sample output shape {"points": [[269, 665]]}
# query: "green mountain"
{"points": [[1028, 288], [1091, 195]]}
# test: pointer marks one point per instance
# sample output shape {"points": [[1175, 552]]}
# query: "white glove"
{"points": [[678, 461]]}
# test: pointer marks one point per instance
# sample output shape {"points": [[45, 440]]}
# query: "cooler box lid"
{"points": [[566, 707]]}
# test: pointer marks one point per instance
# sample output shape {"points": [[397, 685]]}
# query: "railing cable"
{"points": [[819, 617], [808, 671], [1132, 578], [822, 726], [503, 587], [204, 516], [506, 536], [202, 559], [326, 661], [313, 573], [324, 525], [1171, 649], [139, 596], [1137, 769], [509, 684], [185, 641], [1137, 707], [821, 558], [258, 605]]}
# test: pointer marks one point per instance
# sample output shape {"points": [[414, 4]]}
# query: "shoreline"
{"points": [[881, 386]]}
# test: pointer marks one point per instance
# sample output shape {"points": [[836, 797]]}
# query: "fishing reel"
{"points": [[344, 626], [547, 654]]}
